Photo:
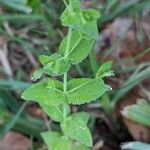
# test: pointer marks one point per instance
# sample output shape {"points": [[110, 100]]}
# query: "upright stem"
{"points": [[65, 74], [65, 90], [65, 82], [66, 54], [68, 41]]}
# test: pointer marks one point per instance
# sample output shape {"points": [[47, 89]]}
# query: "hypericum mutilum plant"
{"points": [[55, 96]]}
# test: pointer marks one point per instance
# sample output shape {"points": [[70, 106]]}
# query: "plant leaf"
{"points": [[77, 146], [89, 26], [55, 112], [48, 92], [72, 14], [84, 90], [56, 141], [80, 47], [82, 20], [37, 74], [74, 20], [54, 65], [71, 18], [44, 59], [83, 115], [105, 70], [76, 128], [91, 14], [57, 66], [138, 112]]}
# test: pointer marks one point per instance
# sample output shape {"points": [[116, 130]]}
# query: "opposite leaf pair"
{"points": [[52, 65], [81, 20], [57, 64], [71, 126], [80, 91]]}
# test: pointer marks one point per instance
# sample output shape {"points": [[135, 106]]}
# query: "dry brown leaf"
{"points": [[14, 141], [138, 131]]}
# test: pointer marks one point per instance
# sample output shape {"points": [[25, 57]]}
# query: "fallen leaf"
{"points": [[14, 141], [139, 132]]}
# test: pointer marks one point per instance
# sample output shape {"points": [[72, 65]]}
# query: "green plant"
{"points": [[55, 96]]}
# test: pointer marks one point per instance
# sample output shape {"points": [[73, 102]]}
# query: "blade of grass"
{"points": [[14, 85], [12, 122], [9, 101], [110, 4], [27, 125], [17, 5], [19, 17], [130, 84], [120, 10], [140, 7], [130, 68]]}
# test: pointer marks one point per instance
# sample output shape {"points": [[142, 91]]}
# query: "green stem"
{"points": [[66, 54], [68, 41], [65, 90], [65, 82], [65, 74]]}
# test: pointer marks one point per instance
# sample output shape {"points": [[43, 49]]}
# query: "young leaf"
{"points": [[57, 66], [82, 20], [105, 70], [48, 92], [53, 65], [90, 14], [71, 18], [72, 14], [89, 27], [80, 47], [44, 59], [84, 90], [37, 74], [75, 128], [138, 112], [56, 141], [55, 112]]}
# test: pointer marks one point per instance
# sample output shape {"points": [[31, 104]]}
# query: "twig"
{"points": [[4, 60]]}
